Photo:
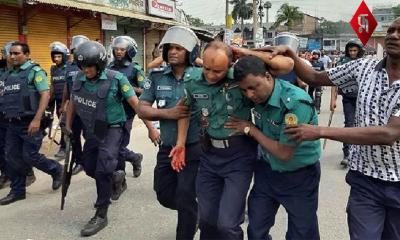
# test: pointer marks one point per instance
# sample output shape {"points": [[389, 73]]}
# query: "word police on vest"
{"points": [[85, 102]]}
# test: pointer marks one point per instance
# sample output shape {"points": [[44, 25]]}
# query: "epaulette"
{"points": [[193, 74], [37, 68]]}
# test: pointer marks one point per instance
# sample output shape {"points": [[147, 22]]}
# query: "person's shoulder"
{"points": [[293, 96], [193, 74]]}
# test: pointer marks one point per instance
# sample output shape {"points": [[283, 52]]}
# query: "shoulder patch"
{"points": [[125, 88], [140, 78], [291, 119], [147, 84], [38, 78]]}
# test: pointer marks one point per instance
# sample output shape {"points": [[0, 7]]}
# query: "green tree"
{"points": [[396, 11], [194, 21], [241, 10], [288, 15]]}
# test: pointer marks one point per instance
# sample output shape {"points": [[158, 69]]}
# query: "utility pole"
{"points": [[226, 13], [255, 18]]}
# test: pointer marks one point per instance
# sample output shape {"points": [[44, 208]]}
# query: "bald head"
{"points": [[217, 59]]}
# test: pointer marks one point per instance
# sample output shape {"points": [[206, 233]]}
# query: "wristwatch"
{"points": [[246, 130]]}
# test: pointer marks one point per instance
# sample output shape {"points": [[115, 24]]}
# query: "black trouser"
{"points": [[3, 130], [177, 190], [316, 94], [77, 129], [349, 109]]}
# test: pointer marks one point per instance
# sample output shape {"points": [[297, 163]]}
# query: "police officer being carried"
{"points": [[289, 172], [59, 55], [124, 50], [25, 98], [165, 86], [96, 97], [226, 166], [71, 71], [353, 50]]}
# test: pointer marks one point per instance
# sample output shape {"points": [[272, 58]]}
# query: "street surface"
{"points": [[137, 215]]}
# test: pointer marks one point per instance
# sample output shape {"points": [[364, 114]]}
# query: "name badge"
{"points": [[164, 88], [200, 95], [162, 103], [256, 114]]}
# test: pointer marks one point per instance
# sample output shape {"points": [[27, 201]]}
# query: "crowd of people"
{"points": [[227, 118]]}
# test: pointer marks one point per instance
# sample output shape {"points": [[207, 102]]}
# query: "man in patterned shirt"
{"points": [[374, 203]]}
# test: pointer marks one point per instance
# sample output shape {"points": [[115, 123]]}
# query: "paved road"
{"points": [[137, 215]]}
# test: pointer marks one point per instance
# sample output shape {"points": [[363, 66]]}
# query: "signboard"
{"points": [[363, 23], [303, 42], [259, 42], [108, 22], [313, 44], [162, 8], [237, 39], [130, 5]]}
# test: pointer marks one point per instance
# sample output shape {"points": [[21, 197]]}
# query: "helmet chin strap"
{"points": [[122, 61]]}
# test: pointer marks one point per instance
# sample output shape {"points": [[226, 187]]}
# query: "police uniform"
{"points": [[71, 70], [226, 167], [174, 190], [99, 106], [293, 184], [3, 129], [316, 92], [57, 81], [20, 103], [135, 76]]}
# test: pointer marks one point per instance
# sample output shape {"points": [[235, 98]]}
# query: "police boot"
{"points": [[77, 169], [4, 181], [57, 179], [96, 223], [30, 178], [137, 165], [119, 184]]}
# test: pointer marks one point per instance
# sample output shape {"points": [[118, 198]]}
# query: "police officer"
{"points": [[353, 50], [96, 98], [71, 70], [25, 98], [226, 167], [165, 86], [289, 172], [59, 55], [4, 181], [316, 92], [124, 50]]}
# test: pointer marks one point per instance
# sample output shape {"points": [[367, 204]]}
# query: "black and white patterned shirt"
{"points": [[377, 101]]}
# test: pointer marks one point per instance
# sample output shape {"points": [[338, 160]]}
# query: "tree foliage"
{"points": [[288, 15], [242, 10]]}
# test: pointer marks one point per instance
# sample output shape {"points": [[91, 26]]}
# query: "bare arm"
{"points": [[333, 98], [70, 116], [155, 63], [374, 135], [146, 111], [34, 126], [302, 69]]}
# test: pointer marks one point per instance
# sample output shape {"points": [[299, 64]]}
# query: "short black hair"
{"points": [[24, 47], [249, 65]]}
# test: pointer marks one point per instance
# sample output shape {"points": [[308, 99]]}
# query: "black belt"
{"points": [[117, 125], [25, 119]]}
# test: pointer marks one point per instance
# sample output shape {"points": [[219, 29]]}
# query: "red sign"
{"points": [[363, 23]]}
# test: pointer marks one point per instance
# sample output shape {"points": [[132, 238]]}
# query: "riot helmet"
{"points": [[354, 43], [7, 48], [127, 43], [91, 53], [183, 37], [77, 40], [316, 52], [59, 48], [287, 39]]}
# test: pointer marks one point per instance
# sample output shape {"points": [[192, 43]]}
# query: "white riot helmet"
{"points": [[78, 40], [127, 43], [287, 39], [59, 48], [181, 36]]}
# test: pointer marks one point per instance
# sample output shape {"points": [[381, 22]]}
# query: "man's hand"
{"points": [[154, 136], [279, 50], [333, 106], [67, 132], [238, 125], [34, 127], [239, 52], [303, 132], [178, 158], [179, 111]]}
